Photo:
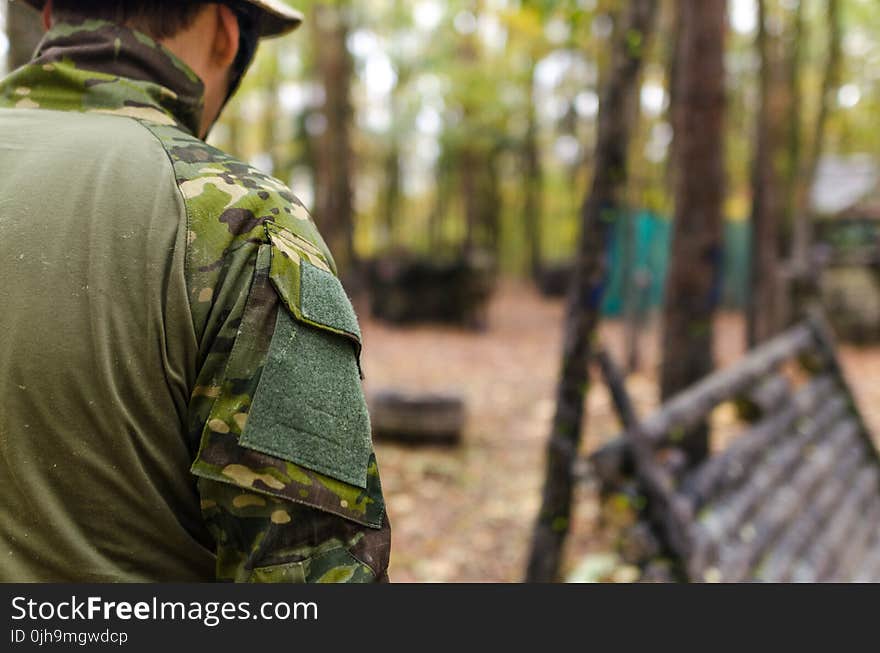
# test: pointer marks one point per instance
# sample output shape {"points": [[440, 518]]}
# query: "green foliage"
{"points": [[438, 82]]}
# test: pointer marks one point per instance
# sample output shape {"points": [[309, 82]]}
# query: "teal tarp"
{"points": [[649, 243]]}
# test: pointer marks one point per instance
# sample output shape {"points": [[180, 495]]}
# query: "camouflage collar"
{"points": [[97, 66]]}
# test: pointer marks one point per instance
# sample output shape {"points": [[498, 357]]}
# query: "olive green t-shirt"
{"points": [[93, 282]]}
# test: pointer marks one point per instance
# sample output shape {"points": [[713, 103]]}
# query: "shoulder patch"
{"points": [[289, 418], [309, 408], [324, 301], [307, 286]]}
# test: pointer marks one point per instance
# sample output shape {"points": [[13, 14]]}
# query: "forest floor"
{"points": [[465, 514]]}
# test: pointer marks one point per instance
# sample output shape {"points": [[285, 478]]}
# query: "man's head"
{"points": [[216, 39]]}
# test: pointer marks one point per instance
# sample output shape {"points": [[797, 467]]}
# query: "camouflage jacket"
{"points": [[276, 425]]}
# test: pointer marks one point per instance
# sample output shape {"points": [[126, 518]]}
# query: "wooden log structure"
{"points": [[794, 497], [431, 419], [405, 289]]}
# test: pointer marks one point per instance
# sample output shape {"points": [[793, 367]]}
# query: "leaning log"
{"points": [[616, 111]]}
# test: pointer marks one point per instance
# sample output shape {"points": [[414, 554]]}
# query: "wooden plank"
{"points": [[857, 547], [687, 409], [820, 555], [866, 488], [768, 471], [614, 461], [780, 562], [612, 465], [673, 512], [727, 469], [616, 383], [869, 569], [796, 497], [721, 520], [753, 538], [771, 393], [823, 335]]}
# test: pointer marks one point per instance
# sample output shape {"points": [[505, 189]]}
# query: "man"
{"points": [[180, 393]]}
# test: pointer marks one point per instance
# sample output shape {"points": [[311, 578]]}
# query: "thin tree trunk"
{"points": [[390, 207], [273, 145], [803, 226], [334, 205], [763, 310], [233, 121], [533, 184], [600, 209], [443, 191], [628, 233], [795, 65], [390, 203], [693, 285], [24, 31], [491, 202], [479, 166], [672, 65], [471, 162], [468, 172]]}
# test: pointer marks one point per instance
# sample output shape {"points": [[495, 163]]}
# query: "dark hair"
{"points": [[157, 18]]}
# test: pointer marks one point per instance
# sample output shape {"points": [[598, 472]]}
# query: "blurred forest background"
{"points": [[471, 161]]}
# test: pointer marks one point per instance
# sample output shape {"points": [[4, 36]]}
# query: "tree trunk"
{"points": [[803, 236], [389, 211], [693, 285], [234, 139], [440, 206], [763, 317], [390, 206], [272, 143], [794, 64], [491, 205], [471, 160], [632, 274], [24, 31], [600, 209], [672, 65], [469, 169], [533, 183], [333, 182]]}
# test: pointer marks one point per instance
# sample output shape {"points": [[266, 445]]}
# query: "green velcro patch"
{"points": [[309, 407], [308, 287], [324, 301]]}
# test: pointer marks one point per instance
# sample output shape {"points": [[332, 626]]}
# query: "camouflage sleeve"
{"points": [[289, 483], [264, 539]]}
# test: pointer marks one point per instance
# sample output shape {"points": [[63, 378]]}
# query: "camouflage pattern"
{"points": [[247, 236]]}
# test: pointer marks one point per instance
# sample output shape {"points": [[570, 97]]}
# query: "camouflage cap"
{"points": [[276, 17]]}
